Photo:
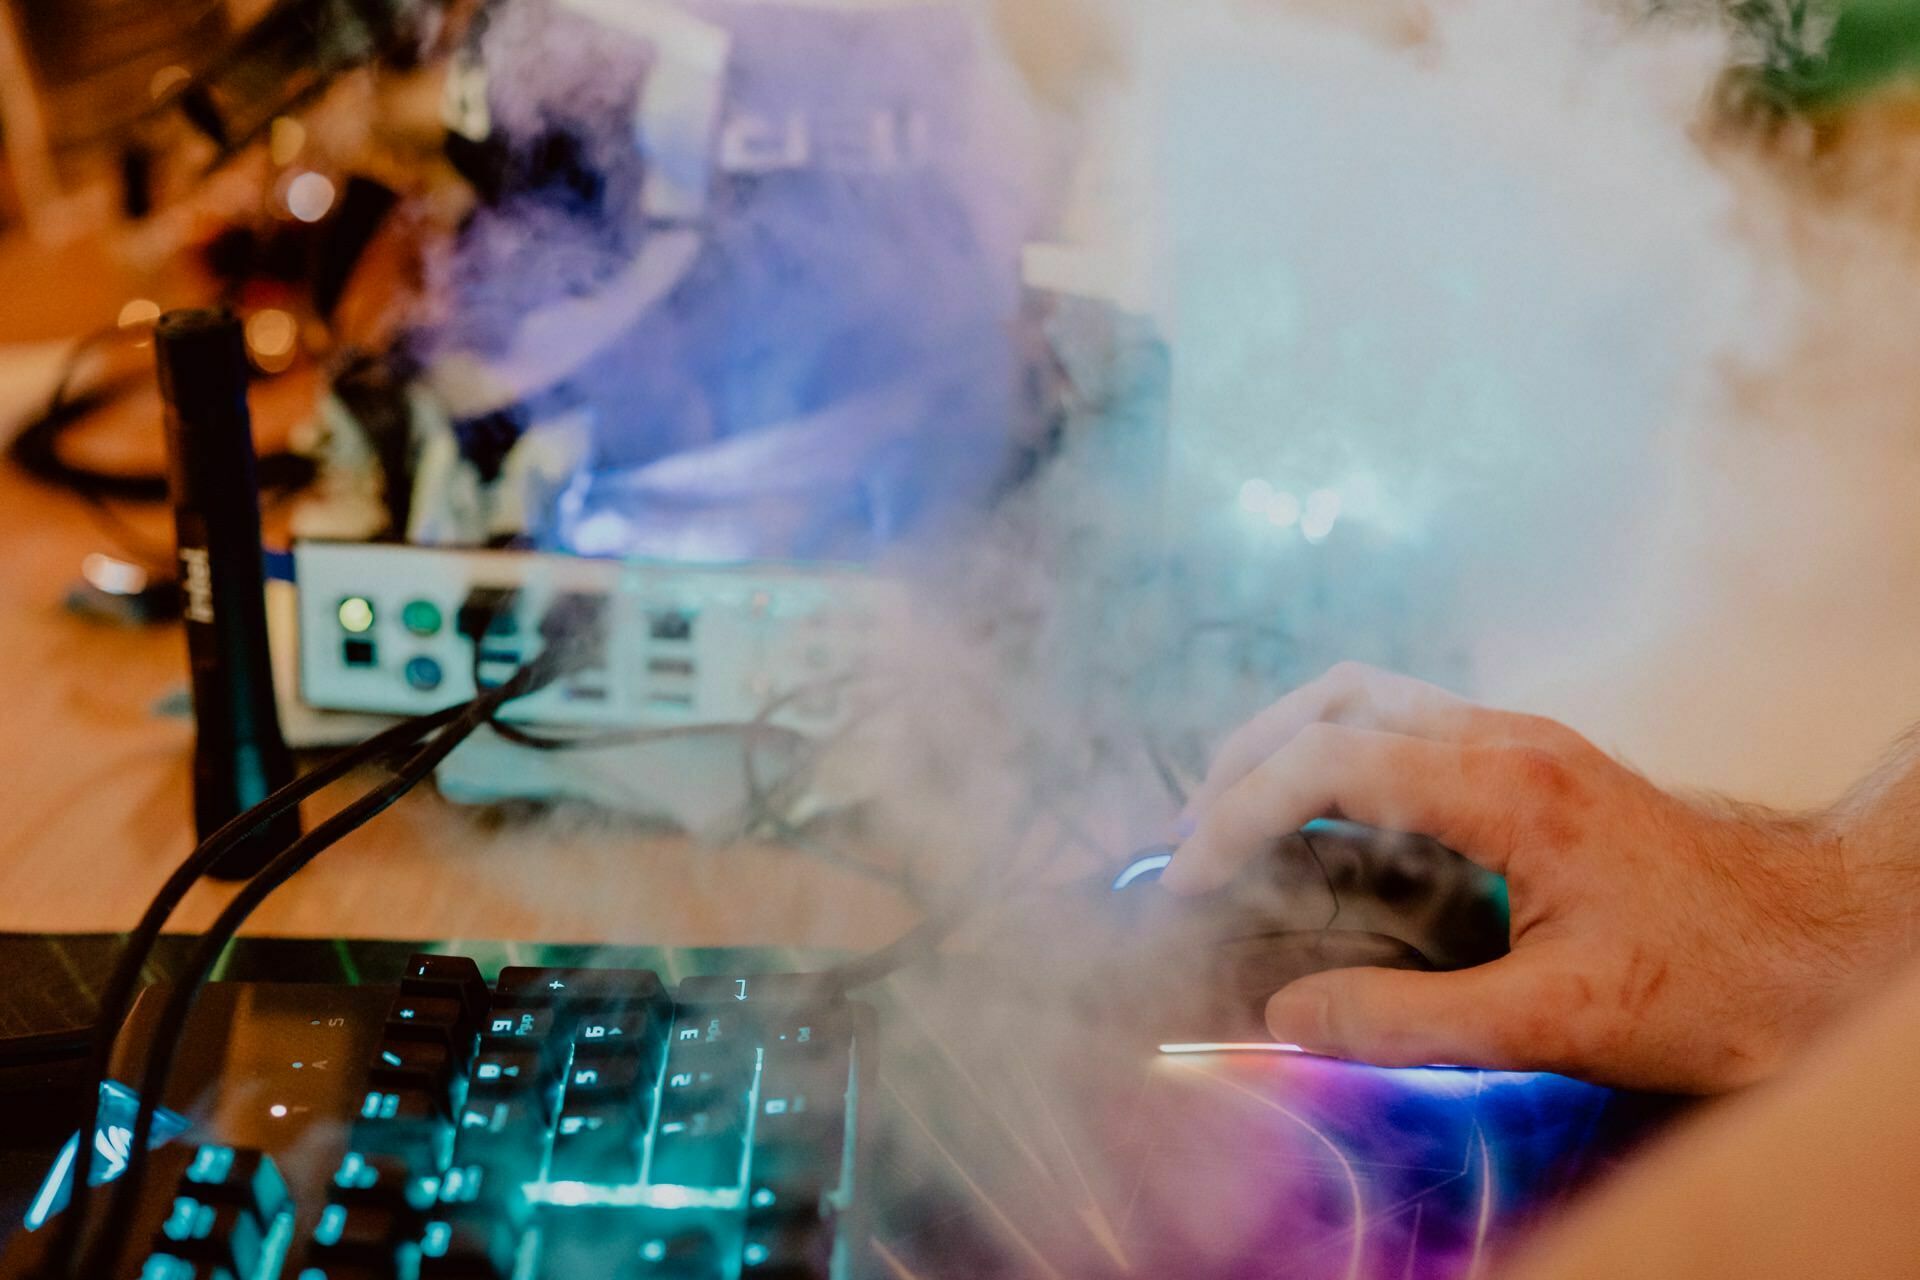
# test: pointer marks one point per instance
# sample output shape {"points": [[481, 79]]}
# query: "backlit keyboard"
{"points": [[560, 1124]]}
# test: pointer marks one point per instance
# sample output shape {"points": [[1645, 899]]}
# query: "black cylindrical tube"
{"points": [[239, 757]]}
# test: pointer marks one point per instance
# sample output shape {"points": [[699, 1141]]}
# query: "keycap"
{"points": [[385, 1181], [609, 1075], [406, 1123], [622, 1244], [450, 977], [712, 1024], [580, 988], [414, 1064], [223, 1234], [803, 1098], [468, 1242], [802, 1192], [597, 1143], [167, 1266], [435, 1019], [332, 1270], [697, 1078], [640, 1030], [512, 1022], [786, 1244], [793, 1172], [803, 1027], [510, 1066], [361, 1233], [506, 1135], [687, 1254], [765, 988], [704, 1160], [237, 1176]]}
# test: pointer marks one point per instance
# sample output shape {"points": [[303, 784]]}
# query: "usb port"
{"points": [[675, 668], [585, 693], [671, 701], [670, 624]]}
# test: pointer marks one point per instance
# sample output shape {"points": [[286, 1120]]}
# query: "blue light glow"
{"points": [[112, 1144], [632, 1196], [1151, 864]]}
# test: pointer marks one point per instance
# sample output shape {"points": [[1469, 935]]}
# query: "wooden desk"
{"points": [[94, 785]]}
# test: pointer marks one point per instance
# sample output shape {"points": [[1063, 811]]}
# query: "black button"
{"points": [[516, 1022], [509, 1066], [608, 1075], [413, 1064], [699, 1078], [439, 1019], [505, 1135], [456, 977]]}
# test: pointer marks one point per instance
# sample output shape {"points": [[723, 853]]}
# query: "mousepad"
{"points": [[1014, 1145]]}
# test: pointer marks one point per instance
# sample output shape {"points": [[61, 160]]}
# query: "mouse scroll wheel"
{"points": [[1144, 869]]}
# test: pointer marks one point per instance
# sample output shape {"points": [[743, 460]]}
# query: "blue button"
{"points": [[424, 674]]}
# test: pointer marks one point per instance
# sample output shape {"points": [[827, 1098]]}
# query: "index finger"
{"points": [[1473, 798], [1366, 697]]}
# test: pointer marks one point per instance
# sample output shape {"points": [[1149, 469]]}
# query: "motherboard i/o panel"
{"points": [[402, 630]]}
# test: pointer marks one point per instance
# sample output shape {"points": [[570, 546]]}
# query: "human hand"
{"points": [[1658, 941]]}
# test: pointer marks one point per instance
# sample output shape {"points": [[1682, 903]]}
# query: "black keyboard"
{"points": [[560, 1124]]}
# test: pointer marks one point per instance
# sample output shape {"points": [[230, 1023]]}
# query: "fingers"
{"points": [[1474, 799], [1364, 697], [1395, 1018]]}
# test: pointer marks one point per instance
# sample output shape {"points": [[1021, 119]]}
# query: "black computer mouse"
{"points": [[1163, 968]]}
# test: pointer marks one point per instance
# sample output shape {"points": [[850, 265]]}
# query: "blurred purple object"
{"points": [[837, 367]]}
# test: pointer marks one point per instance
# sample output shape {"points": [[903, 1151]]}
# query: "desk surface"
{"points": [[94, 776]]}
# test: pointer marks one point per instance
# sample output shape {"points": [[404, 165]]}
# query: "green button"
{"points": [[422, 617]]}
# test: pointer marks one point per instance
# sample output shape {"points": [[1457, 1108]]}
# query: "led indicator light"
{"points": [[356, 615]]}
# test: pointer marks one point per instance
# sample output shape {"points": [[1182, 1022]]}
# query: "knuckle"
{"points": [[1555, 736], [1560, 1028], [1540, 770], [1347, 685], [1348, 676], [1318, 743], [1541, 796]]}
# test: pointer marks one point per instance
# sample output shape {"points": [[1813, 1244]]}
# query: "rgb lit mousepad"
{"points": [[1016, 1149], [1013, 1143]]}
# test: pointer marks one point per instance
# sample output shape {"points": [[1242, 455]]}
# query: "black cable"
{"points": [[36, 447], [103, 1254], [632, 737], [910, 947], [117, 997]]}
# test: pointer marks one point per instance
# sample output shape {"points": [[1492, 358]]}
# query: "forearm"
{"points": [[1816, 1174]]}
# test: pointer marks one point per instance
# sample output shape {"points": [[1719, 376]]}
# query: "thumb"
{"points": [[1402, 1018]]}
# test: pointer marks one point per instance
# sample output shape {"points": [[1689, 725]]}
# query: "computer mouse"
{"points": [[1158, 967]]}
